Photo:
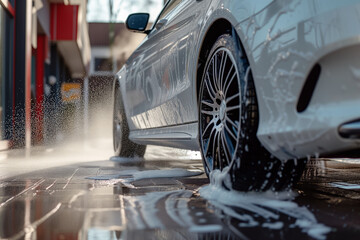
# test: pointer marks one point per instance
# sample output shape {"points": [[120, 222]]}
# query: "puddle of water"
{"points": [[164, 210], [269, 210], [176, 172], [265, 209], [104, 234], [134, 175]]}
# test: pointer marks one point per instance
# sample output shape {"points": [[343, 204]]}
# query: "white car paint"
{"points": [[283, 40]]}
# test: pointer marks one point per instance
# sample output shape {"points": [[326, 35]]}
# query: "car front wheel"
{"points": [[123, 147], [228, 122]]}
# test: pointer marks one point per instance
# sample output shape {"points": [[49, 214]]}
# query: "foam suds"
{"points": [[144, 212], [122, 160], [346, 160], [176, 172], [275, 225], [263, 209], [344, 185], [134, 175], [206, 228]]}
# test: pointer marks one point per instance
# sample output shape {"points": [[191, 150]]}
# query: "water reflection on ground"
{"points": [[170, 197]]}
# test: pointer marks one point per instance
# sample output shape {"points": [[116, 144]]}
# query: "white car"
{"points": [[257, 86]]}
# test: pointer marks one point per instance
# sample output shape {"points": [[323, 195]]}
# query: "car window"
{"points": [[170, 6]]}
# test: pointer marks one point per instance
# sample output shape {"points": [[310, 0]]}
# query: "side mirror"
{"points": [[137, 22]]}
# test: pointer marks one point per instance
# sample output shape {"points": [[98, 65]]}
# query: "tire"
{"points": [[123, 147], [228, 123]]}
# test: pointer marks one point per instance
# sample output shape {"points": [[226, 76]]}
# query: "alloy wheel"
{"points": [[220, 111]]}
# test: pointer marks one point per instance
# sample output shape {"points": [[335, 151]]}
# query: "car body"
{"points": [[304, 58]]}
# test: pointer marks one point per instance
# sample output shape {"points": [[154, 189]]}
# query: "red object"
{"points": [[39, 104], [63, 22], [8, 7]]}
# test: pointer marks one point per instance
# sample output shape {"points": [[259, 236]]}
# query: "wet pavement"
{"points": [[99, 197]]}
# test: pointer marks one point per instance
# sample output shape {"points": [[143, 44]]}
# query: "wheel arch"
{"points": [[216, 29], [120, 83]]}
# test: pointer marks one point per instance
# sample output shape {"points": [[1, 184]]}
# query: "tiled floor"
{"points": [[102, 199]]}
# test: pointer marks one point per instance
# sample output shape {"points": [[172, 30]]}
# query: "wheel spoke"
{"points": [[227, 77], [214, 74], [222, 71], [228, 109], [230, 132], [229, 83], [209, 140], [226, 148], [208, 147], [214, 146], [207, 103], [232, 97], [207, 112], [210, 88], [219, 151], [207, 128], [216, 69], [232, 122]]}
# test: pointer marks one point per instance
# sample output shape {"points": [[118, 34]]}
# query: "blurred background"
{"points": [[58, 59]]}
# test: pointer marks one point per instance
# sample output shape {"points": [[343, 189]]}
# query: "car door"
{"points": [[159, 90]]}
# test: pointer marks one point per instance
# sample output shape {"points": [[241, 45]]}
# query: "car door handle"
{"points": [[161, 23]]}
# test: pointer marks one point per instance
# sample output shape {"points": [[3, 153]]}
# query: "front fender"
{"points": [[120, 82]]}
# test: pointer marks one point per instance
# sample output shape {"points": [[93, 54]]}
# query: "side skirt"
{"points": [[180, 136]]}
